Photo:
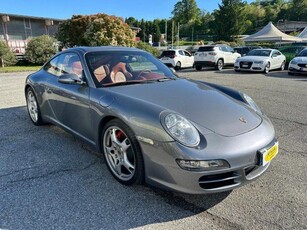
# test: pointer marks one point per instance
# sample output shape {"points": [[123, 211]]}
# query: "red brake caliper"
{"points": [[120, 135]]}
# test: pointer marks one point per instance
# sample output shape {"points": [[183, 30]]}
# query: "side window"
{"points": [[70, 63], [224, 48], [181, 52], [229, 49], [187, 54], [52, 66]]}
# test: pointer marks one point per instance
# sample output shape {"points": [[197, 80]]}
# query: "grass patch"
{"points": [[11, 69]]}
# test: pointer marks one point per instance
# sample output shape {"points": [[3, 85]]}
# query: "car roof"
{"points": [[86, 49]]}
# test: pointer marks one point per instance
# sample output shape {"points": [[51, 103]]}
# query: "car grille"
{"points": [[219, 180], [245, 65], [302, 65]]}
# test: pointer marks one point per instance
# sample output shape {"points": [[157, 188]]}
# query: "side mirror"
{"points": [[70, 79]]}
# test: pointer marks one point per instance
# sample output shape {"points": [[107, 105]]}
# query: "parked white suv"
{"points": [[177, 58], [216, 56]]}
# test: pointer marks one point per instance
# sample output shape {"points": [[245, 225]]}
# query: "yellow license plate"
{"points": [[268, 155]]}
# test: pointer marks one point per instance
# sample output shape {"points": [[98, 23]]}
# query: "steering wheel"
{"points": [[144, 71]]}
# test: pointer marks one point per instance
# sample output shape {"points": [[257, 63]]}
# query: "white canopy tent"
{"points": [[272, 34], [303, 34]]}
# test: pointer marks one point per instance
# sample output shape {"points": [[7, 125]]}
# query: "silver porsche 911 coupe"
{"points": [[151, 125]]}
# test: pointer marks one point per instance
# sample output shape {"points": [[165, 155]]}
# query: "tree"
{"points": [[7, 57], [148, 48], [186, 12], [228, 19], [298, 10], [156, 31], [95, 30], [40, 49]]}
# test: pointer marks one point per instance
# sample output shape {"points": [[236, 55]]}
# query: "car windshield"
{"points": [[303, 53], [110, 68], [262, 52]]}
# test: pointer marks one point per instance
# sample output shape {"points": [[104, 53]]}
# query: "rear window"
{"points": [[205, 49], [168, 53]]}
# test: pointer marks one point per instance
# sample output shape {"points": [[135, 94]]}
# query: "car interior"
{"points": [[109, 69]]}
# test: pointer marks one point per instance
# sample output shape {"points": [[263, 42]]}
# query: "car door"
{"points": [[189, 58], [227, 55], [182, 58], [277, 59], [70, 102]]}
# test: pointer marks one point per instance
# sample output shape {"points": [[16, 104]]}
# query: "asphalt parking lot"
{"points": [[51, 180]]}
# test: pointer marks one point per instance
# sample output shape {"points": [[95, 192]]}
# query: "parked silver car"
{"points": [[261, 60], [298, 65], [150, 125]]}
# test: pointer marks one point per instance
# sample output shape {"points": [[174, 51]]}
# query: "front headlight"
{"points": [[180, 129], [251, 103], [293, 62], [258, 62]]}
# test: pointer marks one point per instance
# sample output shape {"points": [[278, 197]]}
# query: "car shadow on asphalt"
{"points": [[50, 179]]}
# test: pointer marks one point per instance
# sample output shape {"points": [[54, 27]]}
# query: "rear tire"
{"points": [[219, 65], [198, 67], [33, 107], [283, 65], [236, 70], [178, 65]]}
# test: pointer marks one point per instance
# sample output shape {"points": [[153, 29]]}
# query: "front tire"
{"points": [[122, 153], [33, 107], [267, 68], [219, 65], [198, 67]]}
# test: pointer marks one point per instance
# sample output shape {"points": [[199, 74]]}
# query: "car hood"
{"points": [[300, 59], [197, 102], [253, 58]]}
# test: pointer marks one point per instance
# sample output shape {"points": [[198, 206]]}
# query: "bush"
{"points": [[40, 49], [95, 30], [147, 47], [7, 57]]}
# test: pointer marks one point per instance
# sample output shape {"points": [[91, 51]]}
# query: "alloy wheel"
{"points": [[119, 153], [32, 106]]}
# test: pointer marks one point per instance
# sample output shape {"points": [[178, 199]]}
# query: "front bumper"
{"points": [[241, 152], [300, 68], [249, 66]]}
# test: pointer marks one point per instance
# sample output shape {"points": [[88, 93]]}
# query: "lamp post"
{"points": [[178, 35]]}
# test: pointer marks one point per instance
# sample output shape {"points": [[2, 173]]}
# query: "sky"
{"points": [[64, 9]]}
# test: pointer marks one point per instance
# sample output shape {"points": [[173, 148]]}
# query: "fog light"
{"points": [[202, 165]]}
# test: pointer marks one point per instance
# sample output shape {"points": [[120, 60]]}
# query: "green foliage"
{"points": [[298, 10], [95, 30], [6, 55], [148, 48], [186, 12], [12, 69], [228, 19], [40, 49]]}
